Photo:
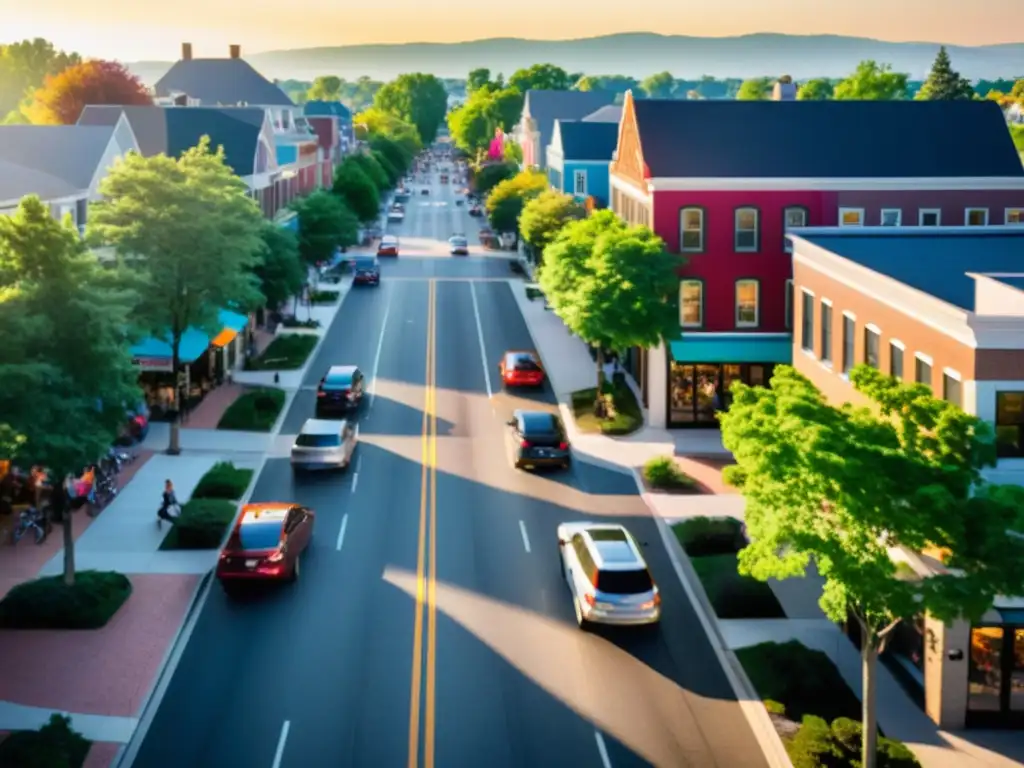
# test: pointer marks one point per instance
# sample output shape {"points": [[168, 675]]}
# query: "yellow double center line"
{"points": [[426, 563]]}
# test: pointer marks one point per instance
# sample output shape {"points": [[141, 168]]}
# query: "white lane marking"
{"points": [[355, 480], [380, 347], [602, 750], [480, 338], [341, 533], [280, 744], [526, 539]]}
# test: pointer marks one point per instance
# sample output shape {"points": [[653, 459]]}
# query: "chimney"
{"points": [[235, 51], [186, 51], [785, 89]]}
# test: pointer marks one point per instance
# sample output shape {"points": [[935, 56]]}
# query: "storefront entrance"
{"points": [[699, 391], [995, 693]]}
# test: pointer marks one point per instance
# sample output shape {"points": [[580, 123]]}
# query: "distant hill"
{"points": [[635, 54]]}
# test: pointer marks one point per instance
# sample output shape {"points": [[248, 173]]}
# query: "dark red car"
{"points": [[266, 544], [521, 369]]}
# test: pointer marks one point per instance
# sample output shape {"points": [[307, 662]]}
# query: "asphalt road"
{"points": [[331, 671]]}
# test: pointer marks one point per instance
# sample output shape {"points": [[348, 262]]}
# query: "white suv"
{"points": [[607, 575]]}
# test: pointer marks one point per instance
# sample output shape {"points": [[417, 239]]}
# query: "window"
{"points": [[891, 217], [849, 341], [851, 217], [826, 332], [746, 230], [872, 345], [789, 305], [1013, 216], [895, 359], [1010, 424], [923, 369], [747, 295], [807, 322], [952, 389], [976, 217], [691, 230], [579, 183], [929, 217], [792, 217], [691, 303]]}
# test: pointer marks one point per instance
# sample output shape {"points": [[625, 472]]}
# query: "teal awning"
{"points": [[733, 348]]}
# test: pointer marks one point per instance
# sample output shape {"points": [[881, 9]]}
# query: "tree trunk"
{"points": [[599, 410], [174, 448], [869, 660], [69, 549]]}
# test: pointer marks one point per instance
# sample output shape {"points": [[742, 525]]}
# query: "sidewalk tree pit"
{"points": [[223, 481], [55, 745], [622, 412], [49, 603], [323, 297], [201, 525], [254, 411], [287, 352]]}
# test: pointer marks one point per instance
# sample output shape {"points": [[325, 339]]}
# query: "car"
{"points": [[366, 270], [266, 544], [324, 445], [396, 215], [519, 368], [340, 390], [537, 439], [444, 178], [607, 576], [425, 191], [458, 245], [388, 246], [476, 210]]}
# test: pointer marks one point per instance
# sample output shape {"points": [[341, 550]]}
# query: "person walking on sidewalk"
{"points": [[169, 507]]}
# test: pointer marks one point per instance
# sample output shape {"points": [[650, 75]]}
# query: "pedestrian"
{"points": [[169, 507]]}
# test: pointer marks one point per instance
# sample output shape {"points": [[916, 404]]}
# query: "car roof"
{"points": [[272, 513], [364, 257], [388, 239], [536, 421], [341, 370], [513, 354], [611, 545], [321, 427]]}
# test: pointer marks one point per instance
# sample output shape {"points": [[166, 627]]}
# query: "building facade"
{"points": [[540, 111], [578, 158]]}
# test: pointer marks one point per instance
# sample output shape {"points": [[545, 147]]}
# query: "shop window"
{"points": [[747, 239], [1010, 424], [691, 230], [952, 389], [929, 217], [891, 217], [691, 303], [1013, 216], [747, 300], [896, 359], [826, 332], [872, 346], [923, 369], [807, 322], [976, 217], [985, 671], [789, 305], [851, 217], [793, 217], [849, 341]]}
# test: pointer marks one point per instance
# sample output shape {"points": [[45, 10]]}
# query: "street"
{"points": [[431, 617]]}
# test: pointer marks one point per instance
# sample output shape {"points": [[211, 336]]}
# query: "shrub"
{"points": [[223, 481], [775, 708], [323, 297], [663, 473], [285, 353], [628, 416], [201, 525], [293, 322], [701, 536], [55, 745], [812, 745], [48, 603], [254, 411], [816, 744]]}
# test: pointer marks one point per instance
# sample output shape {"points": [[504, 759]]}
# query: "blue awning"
{"points": [[233, 320], [193, 342], [733, 348]]}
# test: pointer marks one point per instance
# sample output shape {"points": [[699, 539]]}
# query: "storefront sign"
{"points": [[161, 364]]}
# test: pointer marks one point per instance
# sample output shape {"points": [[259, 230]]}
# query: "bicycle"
{"points": [[31, 519]]}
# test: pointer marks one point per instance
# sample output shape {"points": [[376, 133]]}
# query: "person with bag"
{"points": [[169, 507]]}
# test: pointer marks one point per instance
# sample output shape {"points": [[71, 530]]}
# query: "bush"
{"points": [[323, 297], [700, 536], [286, 352], [223, 481], [664, 474], [532, 292], [628, 415], [55, 745], [201, 525], [812, 745], [732, 595], [254, 411], [48, 603], [775, 708], [293, 322], [817, 744]]}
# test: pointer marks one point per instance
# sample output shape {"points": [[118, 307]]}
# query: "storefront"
{"points": [[995, 676]]}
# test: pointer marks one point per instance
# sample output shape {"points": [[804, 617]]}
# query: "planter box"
{"points": [[281, 331]]}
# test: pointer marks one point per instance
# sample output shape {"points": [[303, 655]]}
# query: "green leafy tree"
{"points": [[512, 153], [357, 190], [280, 271], [369, 165], [189, 229], [67, 379], [374, 123], [24, 67], [418, 99], [944, 83], [392, 174], [545, 216], [872, 81], [489, 176], [478, 78], [755, 89], [325, 88], [542, 77], [394, 152], [659, 86], [472, 125], [818, 89], [507, 107], [325, 225], [613, 285], [610, 83], [506, 200], [842, 486]]}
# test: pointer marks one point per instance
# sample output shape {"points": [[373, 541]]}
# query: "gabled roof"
{"points": [[610, 114], [547, 106], [327, 109], [825, 139], [51, 161], [588, 141], [172, 130], [221, 82]]}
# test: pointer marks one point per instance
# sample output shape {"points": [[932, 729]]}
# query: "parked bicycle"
{"points": [[34, 521]]}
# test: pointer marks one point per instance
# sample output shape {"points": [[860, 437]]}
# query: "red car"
{"points": [[266, 544], [521, 369]]}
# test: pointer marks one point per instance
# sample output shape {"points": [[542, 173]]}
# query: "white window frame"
{"points": [[967, 217], [922, 212], [736, 230], [577, 174], [858, 211], [787, 244], [682, 229], [927, 360], [955, 375], [826, 354], [902, 348], [899, 217], [1014, 212], [804, 295], [757, 303], [700, 320], [872, 328]]}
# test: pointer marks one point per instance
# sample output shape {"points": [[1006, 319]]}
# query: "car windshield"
{"points": [[523, 363], [338, 380], [624, 582], [260, 535], [458, 241], [363, 262], [538, 424], [318, 441], [389, 242]]}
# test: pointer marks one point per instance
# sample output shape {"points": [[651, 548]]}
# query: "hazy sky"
{"points": [[134, 30]]}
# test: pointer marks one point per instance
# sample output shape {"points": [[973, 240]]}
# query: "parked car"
{"points": [[476, 210], [388, 246], [366, 270], [266, 544], [537, 439], [340, 390], [396, 215], [323, 444]]}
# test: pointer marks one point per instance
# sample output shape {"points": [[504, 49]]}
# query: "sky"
{"points": [[152, 30]]}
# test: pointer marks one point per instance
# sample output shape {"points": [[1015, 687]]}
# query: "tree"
{"points": [[357, 190], [659, 85], [24, 67], [392, 151], [325, 88], [189, 229], [756, 89], [489, 176], [507, 107], [418, 99], [541, 77], [872, 81], [368, 165], [477, 79], [373, 123], [62, 97], [325, 224], [613, 285], [280, 272], [818, 89], [67, 379], [512, 154], [944, 83], [842, 486], [545, 216], [610, 83], [506, 200], [392, 175]]}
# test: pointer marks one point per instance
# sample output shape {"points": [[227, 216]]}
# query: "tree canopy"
{"points": [[489, 176], [610, 83], [818, 89], [25, 66], [374, 123], [357, 190], [842, 487], [545, 216], [472, 125], [506, 200], [418, 99], [546, 77], [872, 81], [392, 151], [755, 89], [369, 165], [325, 88], [325, 225], [280, 271], [660, 85], [944, 83], [62, 97]]}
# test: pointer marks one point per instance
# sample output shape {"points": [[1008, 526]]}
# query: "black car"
{"points": [[537, 439], [340, 390], [366, 270]]}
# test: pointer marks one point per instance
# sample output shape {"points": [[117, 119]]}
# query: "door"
{"points": [[682, 396], [707, 398], [995, 696]]}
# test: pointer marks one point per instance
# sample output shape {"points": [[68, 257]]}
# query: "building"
{"points": [[784, 89], [542, 108], [609, 114], [341, 114], [578, 158], [331, 147], [944, 307], [722, 181]]}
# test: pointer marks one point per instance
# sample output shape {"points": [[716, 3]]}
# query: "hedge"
{"points": [[55, 745], [48, 603], [662, 473], [201, 525], [223, 481], [254, 411], [702, 536], [287, 352]]}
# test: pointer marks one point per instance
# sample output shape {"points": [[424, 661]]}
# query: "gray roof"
{"points": [[547, 106], [609, 114], [221, 82], [51, 161], [588, 141]]}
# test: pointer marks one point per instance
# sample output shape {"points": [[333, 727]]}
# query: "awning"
{"points": [[193, 342], [733, 348]]}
